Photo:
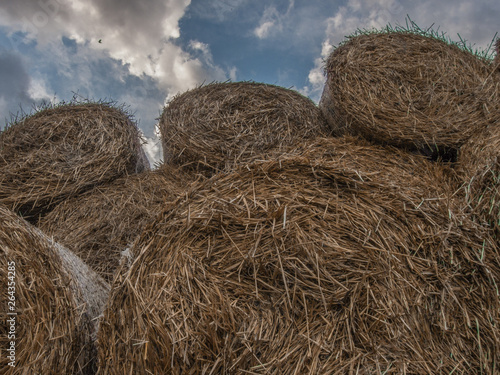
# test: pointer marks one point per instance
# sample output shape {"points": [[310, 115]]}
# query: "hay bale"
{"points": [[55, 297], [479, 168], [62, 151], [409, 90], [217, 126], [99, 224], [340, 258]]}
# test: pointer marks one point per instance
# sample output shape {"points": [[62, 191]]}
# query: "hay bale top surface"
{"points": [[64, 150], [313, 263], [99, 224], [57, 301], [222, 124], [410, 89]]}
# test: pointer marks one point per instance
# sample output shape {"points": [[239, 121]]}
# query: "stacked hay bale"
{"points": [[99, 224], [409, 90], [50, 303], [62, 151], [340, 257], [220, 125]]}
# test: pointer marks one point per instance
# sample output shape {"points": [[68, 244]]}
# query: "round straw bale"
{"points": [[50, 301], [409, 90], [216, 126], [64, 150], [339, 258], [479, 166], [99, 224]]}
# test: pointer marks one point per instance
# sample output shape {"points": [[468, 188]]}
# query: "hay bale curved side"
{"points": [[217, 126], [56, 297], [341, 256], [409, 90], [479, 166], [99, 224], [65, 150]]}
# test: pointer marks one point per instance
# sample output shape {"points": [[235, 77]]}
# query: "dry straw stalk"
{"points": [[57, 301], [410, 89], [339, 258], [217, 126], [99, 224], [62, 151]]}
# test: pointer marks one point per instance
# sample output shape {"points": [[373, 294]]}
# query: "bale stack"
{"points": [[99, 224], [409, 90], [62, 151], [340, 257], [220, 125], [51, 305]]}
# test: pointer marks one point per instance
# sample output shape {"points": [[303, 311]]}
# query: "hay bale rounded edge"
{"points": [[409, 90], [337, 257], [64, 150], [99, 224], [50, 303], [478, 165], [219, 125]]}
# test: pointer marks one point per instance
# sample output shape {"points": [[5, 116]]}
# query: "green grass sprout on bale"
{"points": [[63, 150], [412, 88]]}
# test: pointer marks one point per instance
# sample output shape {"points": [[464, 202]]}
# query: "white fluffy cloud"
{"points": [[142, 35], [153, 150], [272, 21]]}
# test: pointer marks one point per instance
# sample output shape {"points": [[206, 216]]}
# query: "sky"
{"points": [[143, 53]]}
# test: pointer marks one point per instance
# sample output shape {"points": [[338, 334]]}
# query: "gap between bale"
{"points": [[64, 150], [410, 89], [220, 125], [99, 224], [57, 301], [340, 257]]}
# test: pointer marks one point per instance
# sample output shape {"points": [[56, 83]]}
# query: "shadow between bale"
{"points": [[65, 150], [409, 89], [99, 224], [220, 125], [339, 258], [56, 300]]}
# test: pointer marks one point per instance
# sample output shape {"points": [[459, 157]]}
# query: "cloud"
{"points": [[16, 85], [153, 150], [14, 77], [141, 35], [263, 30], [219, 11], [272, 21]]}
